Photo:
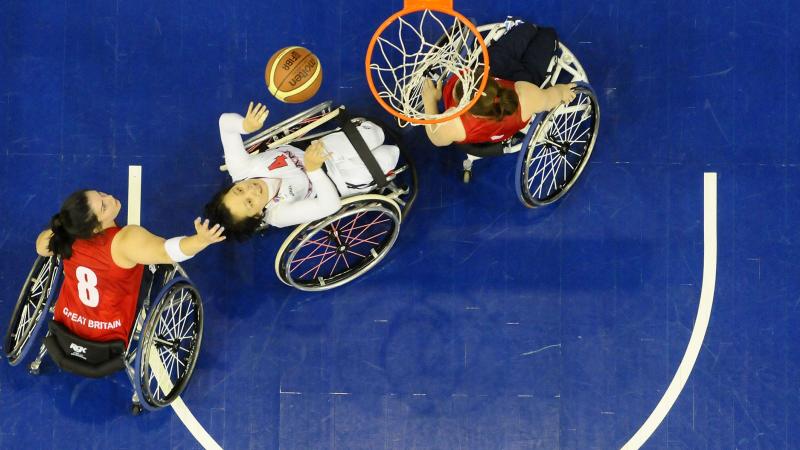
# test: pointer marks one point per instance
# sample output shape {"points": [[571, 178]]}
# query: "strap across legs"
{"points": [[363, 151]]}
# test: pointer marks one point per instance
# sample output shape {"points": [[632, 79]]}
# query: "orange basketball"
{"points": [[293, 74]]}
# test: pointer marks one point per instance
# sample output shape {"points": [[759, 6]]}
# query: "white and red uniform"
{"points": [[98, 298], [479, 130], [305, 196]]}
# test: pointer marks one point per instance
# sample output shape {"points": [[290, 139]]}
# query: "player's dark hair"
{"points": [[496, 102], [74, 221], [217, 212]]}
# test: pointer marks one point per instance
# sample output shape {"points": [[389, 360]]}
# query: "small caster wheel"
{"points": [[34, 368], [467, 176], [136, 409]]}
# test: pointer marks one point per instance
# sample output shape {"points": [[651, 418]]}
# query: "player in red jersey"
{"points": [[519, 65], [504, 108], [103, 263]]}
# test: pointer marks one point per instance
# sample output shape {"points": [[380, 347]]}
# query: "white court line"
{"points": [[179, 407], [134, 195], [183, 413], [700, 323]]}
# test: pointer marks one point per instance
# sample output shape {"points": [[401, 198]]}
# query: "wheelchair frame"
{"points": [[390, 202], [564, 67], [150, 330]]}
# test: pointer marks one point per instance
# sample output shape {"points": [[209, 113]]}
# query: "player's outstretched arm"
{"points": [[231, 128], [135, 245], [541, 100]]}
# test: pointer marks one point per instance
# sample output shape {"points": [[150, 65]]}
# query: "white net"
{"points": [[420, 45]]}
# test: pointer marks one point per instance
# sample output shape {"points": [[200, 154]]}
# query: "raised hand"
{"points": [[255, 117], [315, 156], [431, 91], [208, 235], [566, 92]]}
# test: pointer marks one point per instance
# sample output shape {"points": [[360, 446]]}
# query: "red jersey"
{"points": [[98, 298], [483, 129]]}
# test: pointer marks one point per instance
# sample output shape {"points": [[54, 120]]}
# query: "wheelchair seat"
{"points": [[81, 357], [483, 150]]}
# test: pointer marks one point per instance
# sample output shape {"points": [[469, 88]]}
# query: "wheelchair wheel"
{"points": [[287, 126], [169, 345], [338, 249], [556, 149], [34, 301]]}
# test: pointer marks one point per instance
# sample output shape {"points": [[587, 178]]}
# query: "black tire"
{"points": [[174, 329], [557, 148], [304, 259], [31, 308]]}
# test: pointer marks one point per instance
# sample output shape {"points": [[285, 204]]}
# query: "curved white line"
{"points": [[183, 413], [700, 323], [179, 407]]}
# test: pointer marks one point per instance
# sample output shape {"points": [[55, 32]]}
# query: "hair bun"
{"points": [[55, 221]]}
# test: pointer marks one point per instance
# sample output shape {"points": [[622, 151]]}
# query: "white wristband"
{"points": [[173, 248]]}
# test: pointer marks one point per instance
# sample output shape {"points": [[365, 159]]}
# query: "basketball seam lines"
{"points": [[277, 85]]}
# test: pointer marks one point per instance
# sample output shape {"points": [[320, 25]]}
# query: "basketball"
{"points": [[293, 74]]}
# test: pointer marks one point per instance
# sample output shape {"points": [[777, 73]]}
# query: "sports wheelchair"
{"points": [[337, 249], [555, 146], [161, 352]]}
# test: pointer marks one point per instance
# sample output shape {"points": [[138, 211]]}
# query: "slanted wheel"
{"points": [[556, 149], [340, 248], [170, 344], [35, 298]]}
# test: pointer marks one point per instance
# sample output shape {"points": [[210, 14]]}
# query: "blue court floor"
{"points": [[488, 325]]}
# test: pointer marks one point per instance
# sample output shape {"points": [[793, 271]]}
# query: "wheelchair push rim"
{"points": [[171, 339], [34, 301], [557, 148], [342, 247]]}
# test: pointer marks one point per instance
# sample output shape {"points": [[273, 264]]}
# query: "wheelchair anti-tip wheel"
{"points": [[32, 305], [338, 249], [556, 149], [169, 346]]}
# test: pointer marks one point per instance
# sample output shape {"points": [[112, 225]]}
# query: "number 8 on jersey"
{"points": [[87, 286]]}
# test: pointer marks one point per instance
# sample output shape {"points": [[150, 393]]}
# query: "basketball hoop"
{"points": [[426, 39]]}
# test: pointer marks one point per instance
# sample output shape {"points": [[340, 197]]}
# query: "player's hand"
{"points": [[430, 91], [566, 93], [206, 234], [315, 156], [255, 117]]}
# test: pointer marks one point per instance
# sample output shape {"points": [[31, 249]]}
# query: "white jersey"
{"points": [[304, 196]]}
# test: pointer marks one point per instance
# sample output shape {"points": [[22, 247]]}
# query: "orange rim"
{"points": [[412, 6]]}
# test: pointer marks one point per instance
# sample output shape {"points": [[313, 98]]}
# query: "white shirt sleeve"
{"points": [[230, 133], [325, 203]]}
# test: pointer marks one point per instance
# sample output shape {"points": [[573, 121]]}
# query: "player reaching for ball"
{"points": [[103, 262], [287, 186]]}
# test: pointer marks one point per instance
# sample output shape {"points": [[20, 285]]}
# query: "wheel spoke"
{"points": [[313, 254], [369, 239], [540, 169], [319, 266]]}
